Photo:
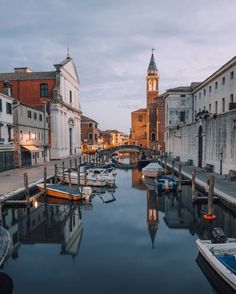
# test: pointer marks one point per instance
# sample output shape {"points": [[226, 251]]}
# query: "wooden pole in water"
{"points": [[180, 178], [63, 172], [70, 166], [78, 176], [194, 194], [210, 216], [55, 173], [26, 184], [75, 163], [0, 212], [173, 167], [85, 176], [165, 166], [69, 176]]}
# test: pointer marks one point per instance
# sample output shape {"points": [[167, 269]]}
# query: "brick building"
{"points": [[89, 134], [58, 89]]}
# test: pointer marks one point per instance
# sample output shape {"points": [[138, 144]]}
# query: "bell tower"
{"points": [[152, 90], [152, 80]]}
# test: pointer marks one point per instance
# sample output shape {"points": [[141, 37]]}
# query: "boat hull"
{"points": [[60, 192], [208, 251], [89, 181]]}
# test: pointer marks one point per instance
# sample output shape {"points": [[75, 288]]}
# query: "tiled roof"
{"points": [[87, 119], [15, 76], [141, 110], [180, 89]]}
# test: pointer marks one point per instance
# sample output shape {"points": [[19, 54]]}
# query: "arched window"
{"points": [[153, 137], [70, 96], [43, 90]]}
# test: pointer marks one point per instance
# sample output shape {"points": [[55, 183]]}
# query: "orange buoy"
{"points": [[209, 217]]}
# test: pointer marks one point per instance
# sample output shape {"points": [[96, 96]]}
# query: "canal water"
{"points": [[127, 240]]}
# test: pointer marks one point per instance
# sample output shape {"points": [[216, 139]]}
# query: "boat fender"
{"points": [[86, 193]]}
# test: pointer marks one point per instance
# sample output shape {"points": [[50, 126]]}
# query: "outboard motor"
{"points": [[218, 236]]}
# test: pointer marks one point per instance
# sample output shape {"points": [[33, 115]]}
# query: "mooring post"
{"points": [[165, 166], [26, 184], [45, 179], [194, 194], [69, 176], [75, 163], [78, 176], [70, 164], [63, 172], [55, 173], [85, 176], [180, 178], [173, 167], [210, 209]]}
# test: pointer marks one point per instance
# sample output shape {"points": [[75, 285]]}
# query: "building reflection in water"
{"points": [[152, 214], [49, 223]]}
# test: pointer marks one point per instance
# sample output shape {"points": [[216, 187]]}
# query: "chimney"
{"points": [[7, 88], [23, 69]]}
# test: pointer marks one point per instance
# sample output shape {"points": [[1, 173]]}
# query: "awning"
{"points": [[32, 148]]}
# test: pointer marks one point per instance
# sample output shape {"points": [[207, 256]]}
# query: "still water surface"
{"points": [[125, 241]]}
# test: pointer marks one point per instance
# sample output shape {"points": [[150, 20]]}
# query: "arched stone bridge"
{"points": [[128, 148]]}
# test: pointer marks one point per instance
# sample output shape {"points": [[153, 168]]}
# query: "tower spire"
{"points": [[152, 63]]}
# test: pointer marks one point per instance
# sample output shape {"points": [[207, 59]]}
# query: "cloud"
{"points": [[111, 41]]}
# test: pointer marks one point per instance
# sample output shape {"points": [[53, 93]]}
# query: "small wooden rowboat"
{"points": [[61, 191]]}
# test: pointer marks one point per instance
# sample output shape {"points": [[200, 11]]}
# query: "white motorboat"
{"points": [[105, 173], [91, 179], [221, 257], [153, 170]]}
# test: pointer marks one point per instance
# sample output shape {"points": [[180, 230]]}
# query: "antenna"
{"points": [[68, 52]]}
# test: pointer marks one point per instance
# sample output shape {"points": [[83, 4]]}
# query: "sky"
{"points": [[110, 43]]}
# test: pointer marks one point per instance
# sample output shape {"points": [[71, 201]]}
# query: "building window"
{"points": [[140, 118], [29, 135], [223, 80], [153, 137], [21, 134], [200, 94], [1, 105], [182, 116], [43, 90], [90, 125], [29, 114], [209, 89], [8, 108], [223, 104], [216, 85], [35, 115], [204, 92], [40, 117], [216, 107], [90, 136], [70, 96], [231, 75], [232, 98], [182, 95], [234, 124]]}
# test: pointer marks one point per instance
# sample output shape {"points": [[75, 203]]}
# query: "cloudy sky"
{"points": [[110, 42]]}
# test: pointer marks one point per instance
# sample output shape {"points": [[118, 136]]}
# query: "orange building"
{"points": [[89, 134]]}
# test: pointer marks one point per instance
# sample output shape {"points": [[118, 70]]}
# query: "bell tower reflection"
{"points": [[152, 214]]}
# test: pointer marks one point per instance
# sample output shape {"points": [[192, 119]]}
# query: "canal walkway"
{"points": [[224, 188], [12, 181]]}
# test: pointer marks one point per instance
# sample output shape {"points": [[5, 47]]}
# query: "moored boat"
{"points": [[5, 242], [91, 180], [221, 257], [166, 184], [153, 170], [61, 191]]}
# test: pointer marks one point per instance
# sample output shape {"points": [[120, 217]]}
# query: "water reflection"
{"points": [[107, 235]]}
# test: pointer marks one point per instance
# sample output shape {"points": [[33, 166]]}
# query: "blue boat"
{"points": [[166, 184]]}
